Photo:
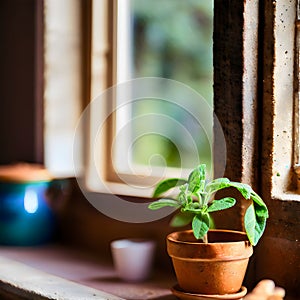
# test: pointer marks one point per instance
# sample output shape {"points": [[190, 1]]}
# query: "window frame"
{"points": [[254, 90], [279, 102], [110, 180], [63, 34], [247, 160]]}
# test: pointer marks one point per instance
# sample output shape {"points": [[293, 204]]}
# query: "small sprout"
{"points": [[195, 201]]}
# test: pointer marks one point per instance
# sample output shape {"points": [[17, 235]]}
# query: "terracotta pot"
{"points": [[218, 267]]}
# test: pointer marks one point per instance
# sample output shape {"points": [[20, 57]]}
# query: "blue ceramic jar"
{"points": [[26, 217]]}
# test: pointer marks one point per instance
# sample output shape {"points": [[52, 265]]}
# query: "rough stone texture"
{"points": [[278, 254], [258, 124], [278, 259], [235, 85], [235, 97], [228, 74]]}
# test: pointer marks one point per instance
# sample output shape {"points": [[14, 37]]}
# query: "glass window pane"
{"points": [[169, 39]]}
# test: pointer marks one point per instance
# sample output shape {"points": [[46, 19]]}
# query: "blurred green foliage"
{"points": [[172, 39]]}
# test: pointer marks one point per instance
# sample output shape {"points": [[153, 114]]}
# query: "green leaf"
{"points": [[197, 178], [243, 188], [216, 185], [185, 196], [221, 183], [191, 208], [182, 197], [254, 224], [166, 185], [260, 211], [221, 204], [260, 207], [211, 222], [182, 219], [250, 221], [200, 225], [162, 203]]}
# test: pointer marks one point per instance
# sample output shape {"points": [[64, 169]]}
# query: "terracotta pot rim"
{"points": [[244, 238]]}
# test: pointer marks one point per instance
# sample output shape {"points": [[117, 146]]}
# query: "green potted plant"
{"points": [[208, 261]]}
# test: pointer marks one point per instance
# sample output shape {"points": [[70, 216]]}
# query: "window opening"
{"points": [[169, 39]]}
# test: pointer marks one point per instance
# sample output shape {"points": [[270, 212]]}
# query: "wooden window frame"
{"points": [[110, 180]]}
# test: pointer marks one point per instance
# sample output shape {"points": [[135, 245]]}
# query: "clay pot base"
{"points": [[178, 292]]}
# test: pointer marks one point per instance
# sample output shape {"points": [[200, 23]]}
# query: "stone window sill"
{"points": [[57, 272]]}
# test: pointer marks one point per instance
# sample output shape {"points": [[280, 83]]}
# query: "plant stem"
{"points": [[205, 239]]}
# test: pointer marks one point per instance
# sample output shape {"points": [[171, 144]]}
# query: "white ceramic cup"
{"points": [[133, 258]]}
